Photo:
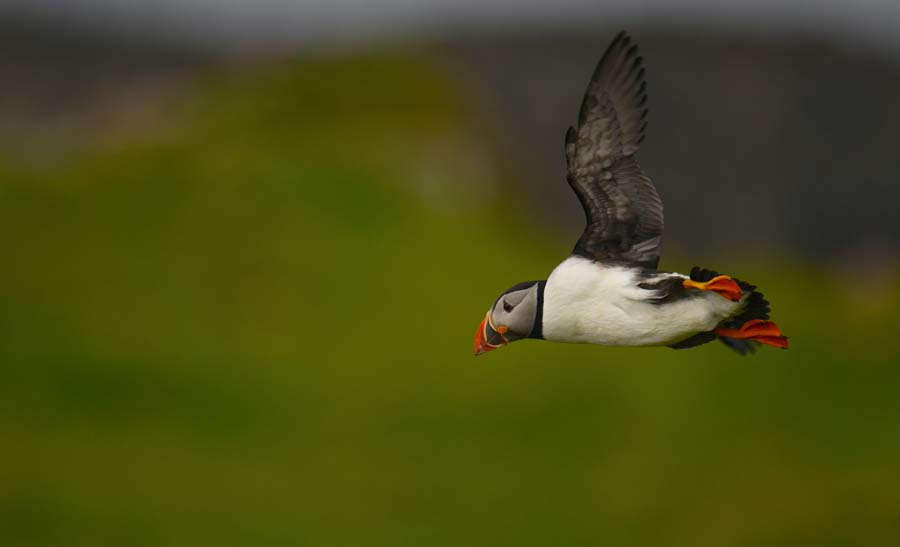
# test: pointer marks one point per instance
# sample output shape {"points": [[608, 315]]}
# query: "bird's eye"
{"points": [[507, 307]]}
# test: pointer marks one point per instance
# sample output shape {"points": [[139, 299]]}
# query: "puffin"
{"points": [[609, 291]]}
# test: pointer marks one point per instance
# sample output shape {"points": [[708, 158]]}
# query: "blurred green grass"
{"points": [[253, 327]]}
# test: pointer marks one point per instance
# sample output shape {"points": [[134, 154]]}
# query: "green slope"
{"points": [[255, 328]]}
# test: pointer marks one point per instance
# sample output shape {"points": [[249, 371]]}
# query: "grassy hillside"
{"points": [[255, 328]]}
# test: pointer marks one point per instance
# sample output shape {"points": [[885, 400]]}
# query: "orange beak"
{"points": [[487, 339]]}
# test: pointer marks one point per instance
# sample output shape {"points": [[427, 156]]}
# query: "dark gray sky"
{"points": [[258, 23]]}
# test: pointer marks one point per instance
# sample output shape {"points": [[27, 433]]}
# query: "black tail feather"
{"points": [[741, 346], [756, 307], [694, 341]]}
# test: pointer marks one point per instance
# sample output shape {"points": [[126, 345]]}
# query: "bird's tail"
{"points": [[745, 331]]}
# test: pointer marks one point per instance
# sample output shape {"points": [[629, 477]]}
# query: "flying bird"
{"points": [[609, 291]]}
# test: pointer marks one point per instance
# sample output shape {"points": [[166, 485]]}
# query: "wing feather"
{"points": [[623, 210]]}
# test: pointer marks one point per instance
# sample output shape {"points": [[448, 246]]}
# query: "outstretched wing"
{"points": [[624, 212]]}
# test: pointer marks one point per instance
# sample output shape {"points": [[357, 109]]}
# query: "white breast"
{"points": [[586, 302]]}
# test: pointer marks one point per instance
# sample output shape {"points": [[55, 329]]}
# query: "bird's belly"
{"points": [[631, 323], [585, 302]]}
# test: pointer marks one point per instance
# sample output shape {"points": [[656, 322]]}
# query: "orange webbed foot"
{"points": [[722, 285], [760, 330]]}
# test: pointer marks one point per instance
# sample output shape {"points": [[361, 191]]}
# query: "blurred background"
{"points": [[246, 244]]}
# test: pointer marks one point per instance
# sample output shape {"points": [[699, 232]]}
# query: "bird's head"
{"points": [[516, 314]]}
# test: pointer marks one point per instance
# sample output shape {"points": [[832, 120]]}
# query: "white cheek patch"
{"points": [[520, 320]]}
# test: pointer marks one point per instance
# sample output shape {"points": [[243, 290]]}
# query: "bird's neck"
{"points": [[537, 331]]}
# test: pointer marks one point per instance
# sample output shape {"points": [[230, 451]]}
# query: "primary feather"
{"points": [[623, 210]]}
